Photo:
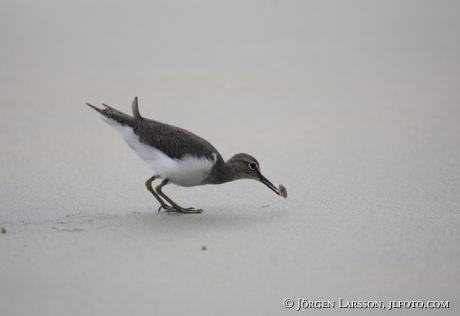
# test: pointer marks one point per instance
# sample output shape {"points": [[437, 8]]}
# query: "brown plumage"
{"points": [[174, 141]]}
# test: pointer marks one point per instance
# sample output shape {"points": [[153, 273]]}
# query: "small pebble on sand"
{"points": [[282, 190]]}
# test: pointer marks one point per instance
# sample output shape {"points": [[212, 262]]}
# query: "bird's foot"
{"points": [[178, 209]]}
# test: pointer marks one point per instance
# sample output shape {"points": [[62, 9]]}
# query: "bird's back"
{"points": [[173, 141]]}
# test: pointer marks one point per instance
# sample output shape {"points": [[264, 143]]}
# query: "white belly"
{"points": [[187, 172]]}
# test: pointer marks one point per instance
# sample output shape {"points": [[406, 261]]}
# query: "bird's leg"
{"points": [[148, 184], [174, 207]]}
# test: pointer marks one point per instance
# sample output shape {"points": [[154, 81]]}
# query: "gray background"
{"points": [[352, 105]]}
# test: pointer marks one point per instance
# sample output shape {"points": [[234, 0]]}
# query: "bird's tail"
{"points": [[111, 115]]}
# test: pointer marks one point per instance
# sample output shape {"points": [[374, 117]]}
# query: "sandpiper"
{"points": [[178, 156]]}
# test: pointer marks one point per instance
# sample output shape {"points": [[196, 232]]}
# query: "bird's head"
{"points": [[244, 166]]}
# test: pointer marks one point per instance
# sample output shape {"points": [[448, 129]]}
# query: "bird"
{"points": [[178, 156]]}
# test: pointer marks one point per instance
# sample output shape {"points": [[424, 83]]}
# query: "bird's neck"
{"points": [[222, 172]]}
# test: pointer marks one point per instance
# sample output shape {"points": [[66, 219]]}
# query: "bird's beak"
{"points": [[268, 184]]}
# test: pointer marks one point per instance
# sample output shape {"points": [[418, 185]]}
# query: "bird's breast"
{"points": [[187, 171]]}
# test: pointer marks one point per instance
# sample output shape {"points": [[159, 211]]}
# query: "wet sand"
{"points": [[353, 106]]}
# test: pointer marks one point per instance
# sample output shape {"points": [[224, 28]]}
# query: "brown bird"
{"points": [[178, 156]]}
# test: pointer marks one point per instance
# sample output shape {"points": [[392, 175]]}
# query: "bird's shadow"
{"points": [[159, 222], [209, 220]]}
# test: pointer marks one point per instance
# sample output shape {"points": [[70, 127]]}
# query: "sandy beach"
{"points": [[353, 105]]}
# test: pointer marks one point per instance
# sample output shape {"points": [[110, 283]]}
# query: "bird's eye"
{"points": [[253, 165]]}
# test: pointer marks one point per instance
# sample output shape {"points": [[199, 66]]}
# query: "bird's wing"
{"points": [[174, 141]]}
